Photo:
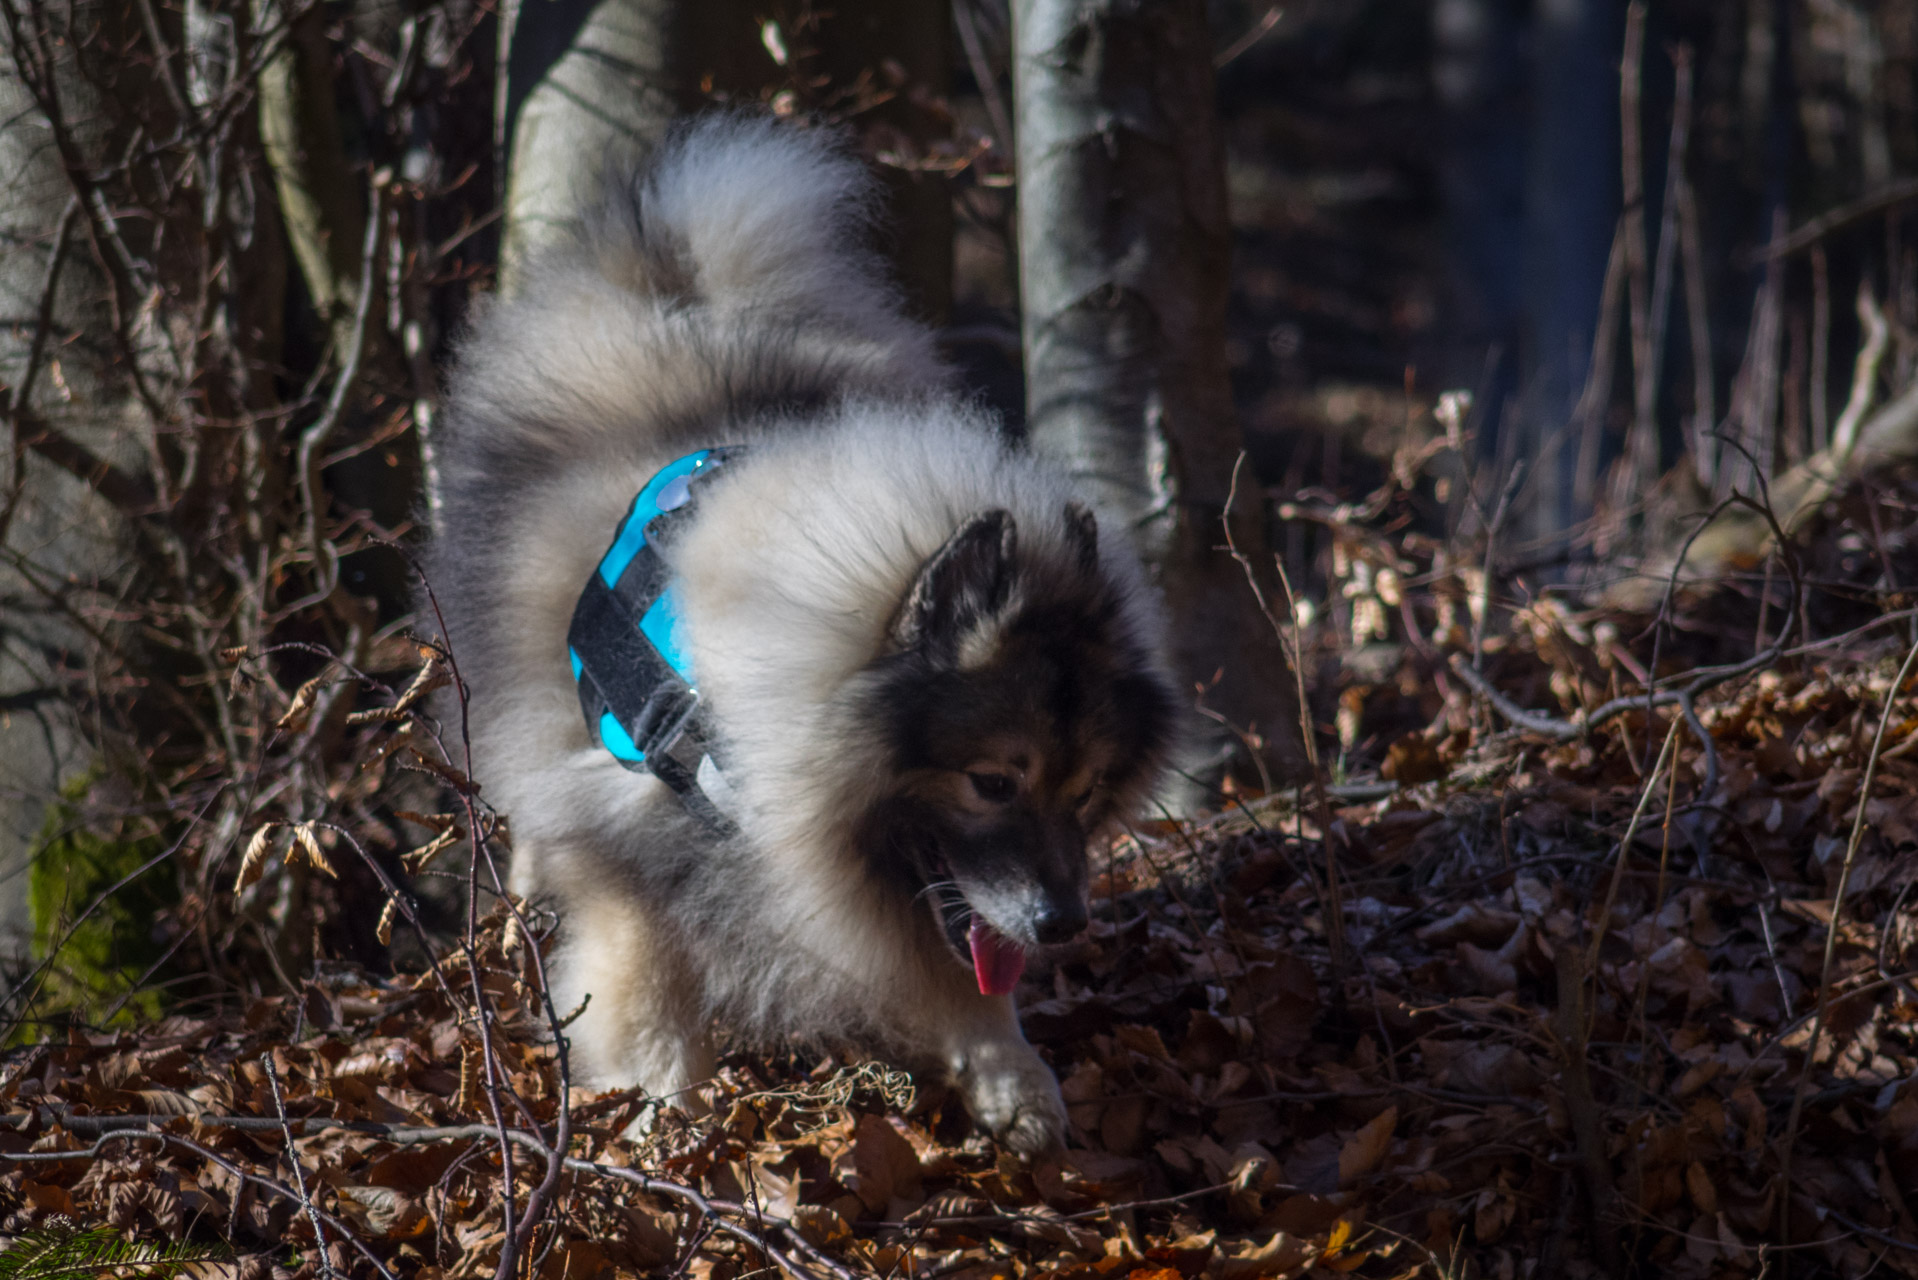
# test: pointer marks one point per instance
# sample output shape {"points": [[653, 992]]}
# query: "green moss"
{"points": [[101, 957]]}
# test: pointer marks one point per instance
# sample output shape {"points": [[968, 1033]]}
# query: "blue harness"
{"points": [[628, 650]]}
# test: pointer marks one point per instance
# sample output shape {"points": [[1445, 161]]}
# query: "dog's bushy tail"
{"points": [[745, 211]]}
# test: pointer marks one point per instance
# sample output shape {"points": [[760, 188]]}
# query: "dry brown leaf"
{"points": [[383, 1212], [253, 861], [1365, 1150], [306, 839], [300, 710], [1282, 1255]]}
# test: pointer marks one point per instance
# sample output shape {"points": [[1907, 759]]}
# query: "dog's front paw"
{"points": [[1013, 1095]]}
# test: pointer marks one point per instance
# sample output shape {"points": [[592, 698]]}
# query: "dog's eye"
{"points": [[995, 788]]}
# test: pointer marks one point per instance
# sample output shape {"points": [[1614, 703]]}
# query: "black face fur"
{"points": [[1022, 718]]}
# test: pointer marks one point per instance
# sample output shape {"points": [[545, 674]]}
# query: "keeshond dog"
{"points": [[803, 688]]}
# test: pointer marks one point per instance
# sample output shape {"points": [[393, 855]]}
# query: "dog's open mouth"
{"points": [[997, 961]]}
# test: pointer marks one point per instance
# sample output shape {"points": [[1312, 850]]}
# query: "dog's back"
{"points": [[727, 282]]}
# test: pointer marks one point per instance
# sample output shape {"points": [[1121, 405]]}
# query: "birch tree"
{"points": [[1125, 249]]}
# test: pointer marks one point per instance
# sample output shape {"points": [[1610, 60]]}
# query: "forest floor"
{"points": [[1626, 996]]}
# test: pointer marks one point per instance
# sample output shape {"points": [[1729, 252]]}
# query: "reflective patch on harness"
{"points": [[632, 532]]}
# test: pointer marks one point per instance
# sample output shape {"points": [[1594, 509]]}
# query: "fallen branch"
{"points": [[1559, 730]]}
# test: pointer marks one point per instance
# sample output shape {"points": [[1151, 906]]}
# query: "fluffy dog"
{"points": [[925, 676]]}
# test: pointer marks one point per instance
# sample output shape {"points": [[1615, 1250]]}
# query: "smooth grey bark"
{"points": [[583, 82], [51, 388], [1125, 249]]}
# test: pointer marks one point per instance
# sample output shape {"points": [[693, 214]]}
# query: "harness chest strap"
{"points": [[637, 687]]}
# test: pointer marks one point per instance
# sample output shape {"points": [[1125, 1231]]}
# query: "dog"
{"points": [[901, 677]]}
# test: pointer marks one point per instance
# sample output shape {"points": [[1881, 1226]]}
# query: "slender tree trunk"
{"points": [[1571, 213], [1125, 249]]}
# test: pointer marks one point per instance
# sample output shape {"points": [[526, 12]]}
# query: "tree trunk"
{"points": [[582, 81], [590, 83], [1125, 250], [65, 408], [1571, 209]]}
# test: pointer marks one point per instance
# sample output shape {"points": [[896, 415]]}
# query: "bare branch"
{"points": [[325, 558]]}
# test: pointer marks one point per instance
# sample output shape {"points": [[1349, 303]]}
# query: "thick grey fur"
{"points": [[725, 298]]}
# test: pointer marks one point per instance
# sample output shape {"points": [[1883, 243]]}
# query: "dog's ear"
{"points": [[961, 585], [1082, 534]]}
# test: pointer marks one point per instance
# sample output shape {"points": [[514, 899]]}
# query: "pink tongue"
{"points": [[996, 959]]}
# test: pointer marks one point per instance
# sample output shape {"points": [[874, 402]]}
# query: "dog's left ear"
{"points": [[963, 584]]}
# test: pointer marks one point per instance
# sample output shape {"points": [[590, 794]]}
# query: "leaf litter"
{"points": [[1586, 1024]]}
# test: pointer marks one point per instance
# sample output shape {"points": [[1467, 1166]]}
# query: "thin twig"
{"points": [[1588, 415], [313, 439], [1645, 794], [1641, 446], [299, 1174], [1695, 683], [1864, 377], [1238, 48], [715, 1212], [476, 836], [1820, 376], [1492, 529], [1699, 329], [982, 74], [1677, 147], [38, 974], [1899, 193], [240, 1174], [1332, 905]]}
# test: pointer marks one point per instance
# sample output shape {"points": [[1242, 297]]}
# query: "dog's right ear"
{"points": [[961, 585], [1082, 532]]}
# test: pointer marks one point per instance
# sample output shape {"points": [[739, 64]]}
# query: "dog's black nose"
{"points": [[1058, 921]]}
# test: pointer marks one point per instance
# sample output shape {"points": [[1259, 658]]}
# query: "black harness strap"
{"points": [[640, 703]]}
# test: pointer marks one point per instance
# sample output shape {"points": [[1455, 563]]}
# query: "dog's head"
{"points": [[1025, 712]]}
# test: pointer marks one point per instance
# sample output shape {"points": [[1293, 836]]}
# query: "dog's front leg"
{"points": [[642, 1023], [1008, 1088]]}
